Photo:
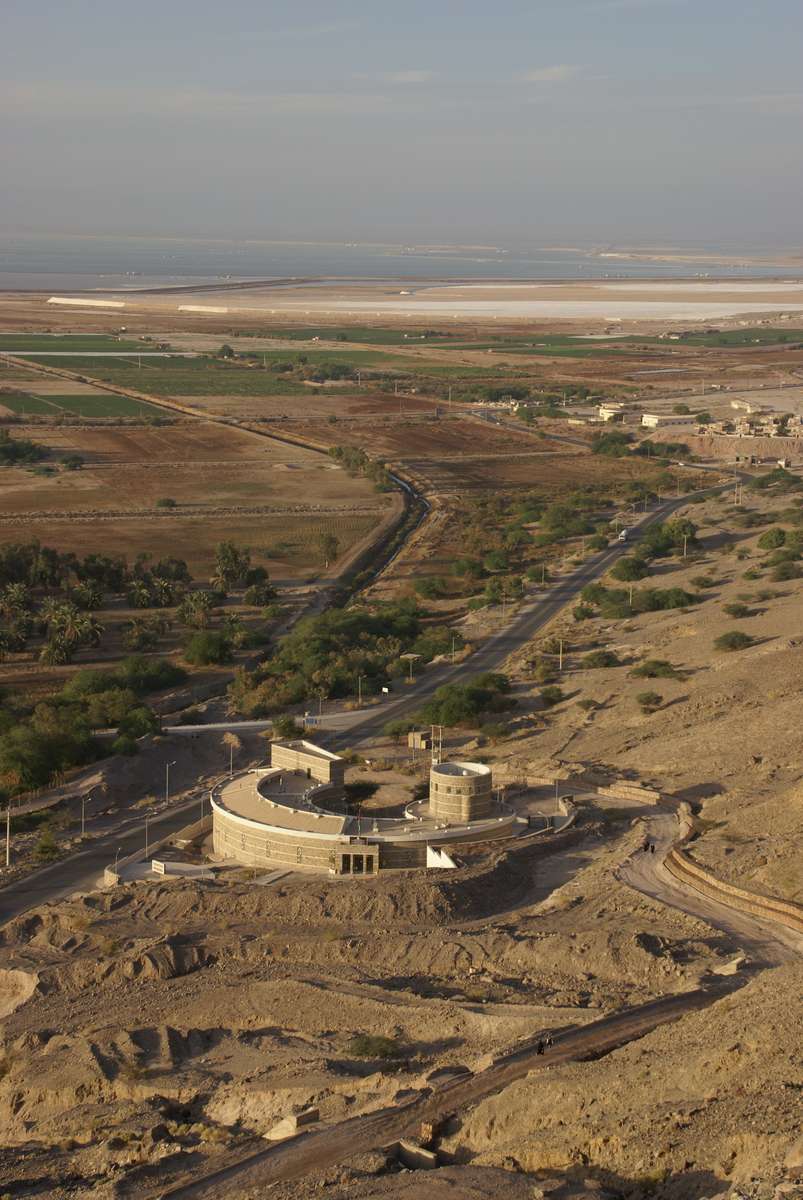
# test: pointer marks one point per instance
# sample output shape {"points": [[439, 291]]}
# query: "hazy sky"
{"points": [[431, 120]]}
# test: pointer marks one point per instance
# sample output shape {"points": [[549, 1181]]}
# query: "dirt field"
{"points": [[248, 488]]}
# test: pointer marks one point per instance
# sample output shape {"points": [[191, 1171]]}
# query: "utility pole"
{"points": [[685, 544], [631, 595], [359, 381], [8, 833], [359, 691], [231, 770], [146, 834], [560, 654], [453, 648], [83, 816]]}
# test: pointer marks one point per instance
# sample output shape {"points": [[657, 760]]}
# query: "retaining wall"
{"points": [[684, 868]]}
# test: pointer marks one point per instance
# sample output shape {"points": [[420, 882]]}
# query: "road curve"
{"points": [[769, 943], [323, 1146]]}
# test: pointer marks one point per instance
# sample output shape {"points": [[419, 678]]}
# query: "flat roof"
{"points": [[308, 748], [461, 768]]}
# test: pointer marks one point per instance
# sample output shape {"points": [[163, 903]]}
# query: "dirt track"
{"points": [[322, 1147]]}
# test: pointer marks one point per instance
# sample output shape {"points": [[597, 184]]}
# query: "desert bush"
{"points": [[738, 610], [551, 695], [734, 639], [601, 658], [649, 701], [368, 1045], [655, 668], [630, 569]]}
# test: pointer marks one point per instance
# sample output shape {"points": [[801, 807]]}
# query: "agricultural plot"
{"points": [[221, 484], [287, 545], [30, 342], [22, 404], [97, 404]]}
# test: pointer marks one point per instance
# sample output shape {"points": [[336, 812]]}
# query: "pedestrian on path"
{"points": [[652, 847]]}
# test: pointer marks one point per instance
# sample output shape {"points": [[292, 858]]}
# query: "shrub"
{"points": [[72, 462], [737, 610], [496, 560], [649, 701], [46, 849], [259, 594], [785, 571], [587, 704], [139, 722], [733, 640], [613, 444], [772, 539], [367, 1045], [551, 695], [656, 668], [125, 745], [166, 502], [598, 541], [285, 726], [582, 612], [207, 648], [430, 588], [629, 569], [601, 658]]}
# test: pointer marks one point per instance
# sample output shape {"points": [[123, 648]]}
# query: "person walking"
{"points": [[652, 847]]}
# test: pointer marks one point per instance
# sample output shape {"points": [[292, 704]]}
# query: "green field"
{"points": [[211, 377], [68, 341], [21, 404], [83, 406]]}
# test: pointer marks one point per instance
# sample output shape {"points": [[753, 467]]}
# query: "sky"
{"points": [[493, 122]]}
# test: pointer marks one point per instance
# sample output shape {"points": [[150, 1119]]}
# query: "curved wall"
{"points": [[460, 792]]}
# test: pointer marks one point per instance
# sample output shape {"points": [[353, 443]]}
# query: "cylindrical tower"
{"points": [[460, 792]]}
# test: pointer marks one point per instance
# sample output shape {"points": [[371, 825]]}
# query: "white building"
{"points": [[663, 420], [611, 411]]}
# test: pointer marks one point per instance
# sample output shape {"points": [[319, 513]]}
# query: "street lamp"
{"points": [[410, 660], [359, 690], [168, 765]]}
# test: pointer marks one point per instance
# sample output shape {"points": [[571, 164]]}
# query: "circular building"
{"points": [[292, 815], [460, 792]]}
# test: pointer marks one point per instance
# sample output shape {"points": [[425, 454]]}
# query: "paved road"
{"points": [[323, 1146], [81, 872], [531, 617]]}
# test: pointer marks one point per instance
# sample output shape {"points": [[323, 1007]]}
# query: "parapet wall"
{"points": [[303, 756]]}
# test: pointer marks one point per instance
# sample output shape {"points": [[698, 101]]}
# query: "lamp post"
{"points": [[168, 765]]}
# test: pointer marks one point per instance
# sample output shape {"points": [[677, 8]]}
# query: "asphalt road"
{"points": [[81, 872], [531, 618]]}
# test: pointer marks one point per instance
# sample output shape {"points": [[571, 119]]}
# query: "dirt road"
{"points": [[768, 943], [325, 1145]]}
